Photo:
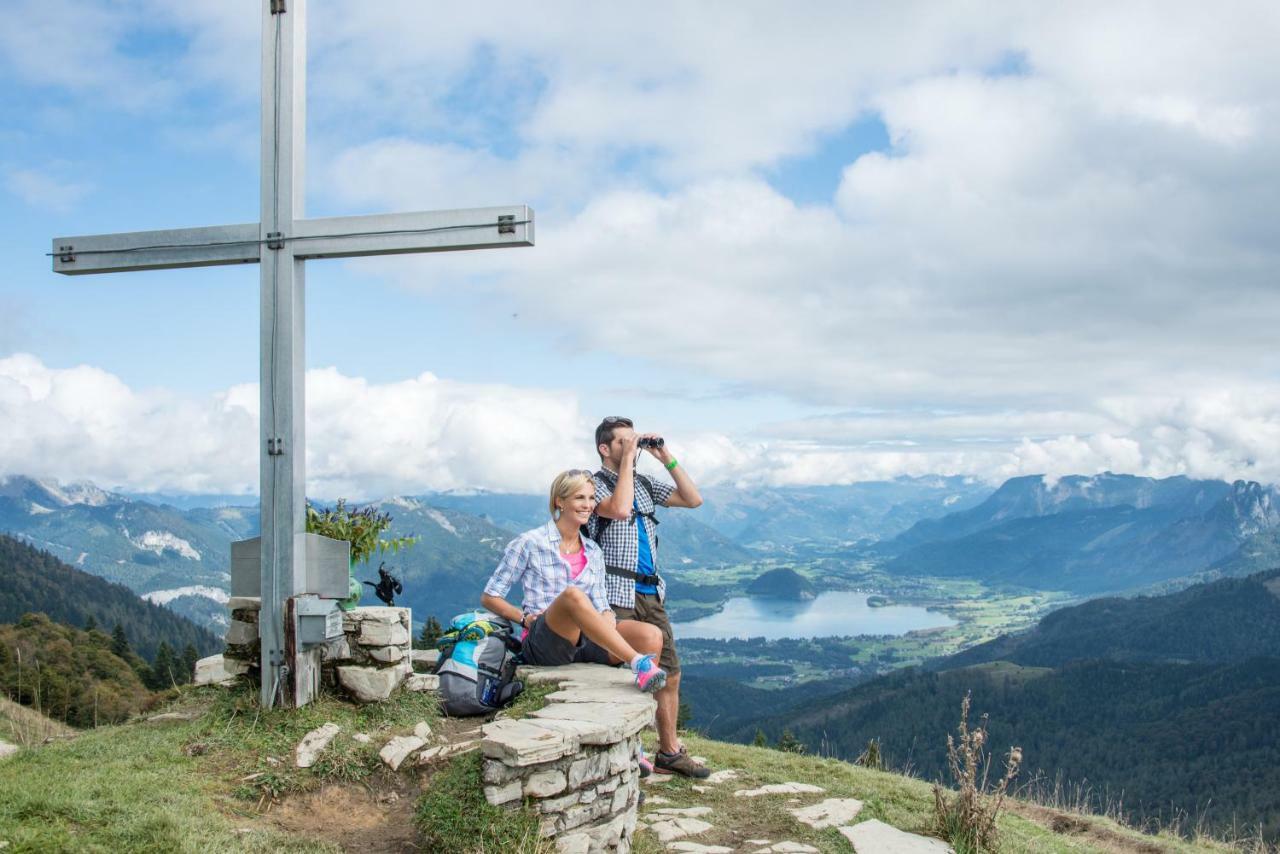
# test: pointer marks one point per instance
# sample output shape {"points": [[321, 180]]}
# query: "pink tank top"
{"points": [[577, 563]]}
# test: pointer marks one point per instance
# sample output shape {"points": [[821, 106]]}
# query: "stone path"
{"points": [[876, 837]]}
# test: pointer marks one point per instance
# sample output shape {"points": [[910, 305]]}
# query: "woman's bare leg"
{"points": [[646, 639], [572, 614]]}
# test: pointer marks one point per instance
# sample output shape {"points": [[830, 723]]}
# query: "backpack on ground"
{"points": [[477, 668]]}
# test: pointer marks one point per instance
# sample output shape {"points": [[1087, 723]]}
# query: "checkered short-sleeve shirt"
{"points": [[621, 538]]}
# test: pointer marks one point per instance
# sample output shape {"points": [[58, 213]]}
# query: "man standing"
{"points": [[625, 528]]}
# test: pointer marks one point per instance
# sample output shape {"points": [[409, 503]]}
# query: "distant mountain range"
{"points": [[1094, 535], [1170, 703]]}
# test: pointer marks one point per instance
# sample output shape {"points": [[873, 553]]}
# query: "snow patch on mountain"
{"points": [[158, 541], [438, 517], [39, 509], [164, 597], [403, 502]]}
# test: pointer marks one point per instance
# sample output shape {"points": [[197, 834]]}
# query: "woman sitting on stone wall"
{"points": [[565, 611]]}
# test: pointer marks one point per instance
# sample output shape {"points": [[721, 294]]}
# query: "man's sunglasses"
{"points": [[613, 420]]}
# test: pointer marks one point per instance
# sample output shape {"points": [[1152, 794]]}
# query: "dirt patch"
{"points": [[353, 816], [1080, 827]]}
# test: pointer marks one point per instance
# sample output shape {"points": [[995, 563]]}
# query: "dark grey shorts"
{"points": [[545, 648]]}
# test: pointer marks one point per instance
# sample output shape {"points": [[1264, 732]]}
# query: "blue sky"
{"points": [[839, 246]]}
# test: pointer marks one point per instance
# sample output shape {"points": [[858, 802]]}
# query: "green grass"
{"points": [[532, 698], [901, 801], [454, 818], [189, 786]]}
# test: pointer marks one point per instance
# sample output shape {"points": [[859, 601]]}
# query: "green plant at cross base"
{"points": [[363, 529]]}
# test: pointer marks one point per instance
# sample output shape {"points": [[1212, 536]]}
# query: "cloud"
{"points": [[426, 433], [41, 190]]}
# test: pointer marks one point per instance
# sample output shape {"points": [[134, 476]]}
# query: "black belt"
{"points": [[637, 577]]}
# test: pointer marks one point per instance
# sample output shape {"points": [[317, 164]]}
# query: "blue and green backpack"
{"points": [[478, 658]]}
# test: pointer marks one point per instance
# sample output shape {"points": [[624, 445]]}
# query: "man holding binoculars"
{"points": [[624, 526]]}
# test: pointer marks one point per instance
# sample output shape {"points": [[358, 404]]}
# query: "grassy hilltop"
{"points": [[216, 774]]}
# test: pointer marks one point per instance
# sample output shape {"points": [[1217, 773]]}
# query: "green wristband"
{"points": [[674, 462]]}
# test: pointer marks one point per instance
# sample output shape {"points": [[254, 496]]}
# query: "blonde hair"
{"points": [[565, 484]]}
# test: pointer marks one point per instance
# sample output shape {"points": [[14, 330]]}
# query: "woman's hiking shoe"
{"points": [[646, 767], [649, 676], [679, 763]]}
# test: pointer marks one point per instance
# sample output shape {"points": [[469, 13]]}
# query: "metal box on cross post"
{"points": [[328, 563]]}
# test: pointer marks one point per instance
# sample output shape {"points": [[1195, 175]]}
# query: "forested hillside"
{"points": [[1171, 703], [35, 581]]}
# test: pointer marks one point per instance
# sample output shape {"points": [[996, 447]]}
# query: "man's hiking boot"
{"points": [[649, 676], [679, 763]]}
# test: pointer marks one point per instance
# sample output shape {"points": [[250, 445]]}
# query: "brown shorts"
{"points": [[649, 610]]}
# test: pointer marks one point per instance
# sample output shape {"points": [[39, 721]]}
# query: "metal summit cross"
{"points": [[281, 243]]}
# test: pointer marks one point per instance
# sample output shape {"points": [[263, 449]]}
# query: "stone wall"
{"points": [[573, 761], [369, 661]]}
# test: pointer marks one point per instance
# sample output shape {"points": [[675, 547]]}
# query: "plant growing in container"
{"points": [[363, 528]]}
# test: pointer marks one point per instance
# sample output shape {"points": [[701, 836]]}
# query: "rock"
{"points": [[780, 789], [239, 633], [419, 682], [689, 812], [722, 776], [172, 717], [657, 800], [362, 737], [698, 848], [757, 842], [378, 633], [422, 730], [573, 843], [701, 790], [621, 721], [524, 743], [314, 743], [338, 649], [386, 654], [876, 837], [248, 603], [544, 784], [370, 684], [7, 749], [588, 770], [498, 795], [671, 829], [218, 670], [424, 659], [829, 813], [789, 847], [397, 750]]}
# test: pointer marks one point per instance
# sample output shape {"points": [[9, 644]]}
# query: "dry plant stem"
{"points": [[968, 820]]}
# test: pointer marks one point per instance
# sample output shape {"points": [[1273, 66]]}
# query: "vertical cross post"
{"points": [[288, 674]]}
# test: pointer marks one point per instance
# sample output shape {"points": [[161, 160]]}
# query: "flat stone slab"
{"points": [[622, 721], [7, 749], [313, 744], [698, 848], [876, 837], [523, 743], [780, 789], [676, 827], [828, 813], [239, 633], [687, 812], [586, 732], [722, 776], [219, 670], [787, 847], [381, 634], [420, 682], [583, 674], [656, 800], [238, 603], [370, 684], [426, 659], [397, 750], [625, 695]]}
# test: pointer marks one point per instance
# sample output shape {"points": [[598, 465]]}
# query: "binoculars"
{"points": [[651, 443]]}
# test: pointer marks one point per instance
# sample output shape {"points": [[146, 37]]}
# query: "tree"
{"points": [[431, 631], [120, 643], [761, 740], [190, 656], [90, 623], [163, 669], [684, 713], [788, 743]]}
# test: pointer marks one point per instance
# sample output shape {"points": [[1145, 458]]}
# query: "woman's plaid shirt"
{"points": [[533, 561]]}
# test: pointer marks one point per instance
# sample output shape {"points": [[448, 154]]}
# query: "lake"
{"points": [[836, 612]]}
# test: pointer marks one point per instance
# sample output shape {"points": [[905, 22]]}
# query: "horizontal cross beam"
{"points": [[330, 237]]}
